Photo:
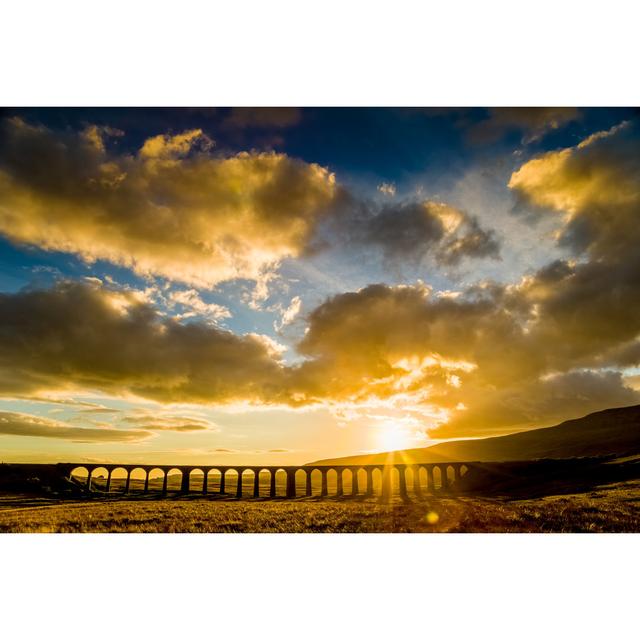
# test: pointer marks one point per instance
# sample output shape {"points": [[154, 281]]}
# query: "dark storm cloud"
{"points": [[406, 232], [411, 231]]}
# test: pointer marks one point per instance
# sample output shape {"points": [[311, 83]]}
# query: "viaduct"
{"points": [[376, 479]]}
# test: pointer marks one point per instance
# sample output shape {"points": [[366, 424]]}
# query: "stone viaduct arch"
{"points": [[320, 481], [154, 480]]}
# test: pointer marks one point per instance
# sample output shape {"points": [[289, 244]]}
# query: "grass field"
{"points": [[610, 508]]}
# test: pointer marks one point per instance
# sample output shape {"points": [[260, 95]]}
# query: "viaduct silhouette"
{"points": [[440, 477]]}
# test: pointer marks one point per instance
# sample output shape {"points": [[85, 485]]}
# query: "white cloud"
{"points": [[289, 314], [190, 299], [387, 189]]}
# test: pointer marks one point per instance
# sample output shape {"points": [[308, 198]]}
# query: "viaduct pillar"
{"points": [[443, 478], [386, 484], [369, 482], [184, 485], [416, 480], [256, 483], [239, 486], [272, 484], [431, 480], [339, 490], [291, 483], [308, 491], [402, 482]]}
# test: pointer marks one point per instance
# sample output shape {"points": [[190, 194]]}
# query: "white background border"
{"points": [[329, 52], [319, 53], [319, 586]]}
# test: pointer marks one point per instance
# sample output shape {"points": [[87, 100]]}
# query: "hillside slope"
{"points": [[612, 431]]}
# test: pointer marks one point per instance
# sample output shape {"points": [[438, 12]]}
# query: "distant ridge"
{"points": [[612, 431]]}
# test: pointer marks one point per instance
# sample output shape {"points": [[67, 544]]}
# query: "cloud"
{"points": [[175, 209], [595, 186], [274, 348], [538, 402], [23, 424], [533, 122], [260, 293], [166, 147], [99, 410], [590, 307], [182, 424], [172, 209], [80, 405], [468, 240], [84, 336], [413, 230], [387, 189], [495, 356], [289, 314], [263, 117], [252, 451], [385, 340], [195, 306]]}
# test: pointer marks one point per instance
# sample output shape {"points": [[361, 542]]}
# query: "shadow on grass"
{"points": [[524, 480]]}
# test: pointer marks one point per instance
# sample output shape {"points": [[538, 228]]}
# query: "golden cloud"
{"points": [[596, 185], [151, 421], [493, 356], [85, 336], [588, 312], [24, 424], [173, 209], [496, 356]]}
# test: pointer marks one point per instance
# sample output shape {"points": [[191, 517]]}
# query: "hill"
{"points": [[608, 432]]}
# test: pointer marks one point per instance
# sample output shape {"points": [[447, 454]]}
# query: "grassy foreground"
{"points": [[612, 508]]}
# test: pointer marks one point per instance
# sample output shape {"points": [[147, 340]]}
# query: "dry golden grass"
{"points": [[613, 508]]}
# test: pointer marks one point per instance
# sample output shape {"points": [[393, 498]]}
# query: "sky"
{"points": [[279, 285]]}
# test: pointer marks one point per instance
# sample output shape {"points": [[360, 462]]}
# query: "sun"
{"points": [[390, 437]]}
